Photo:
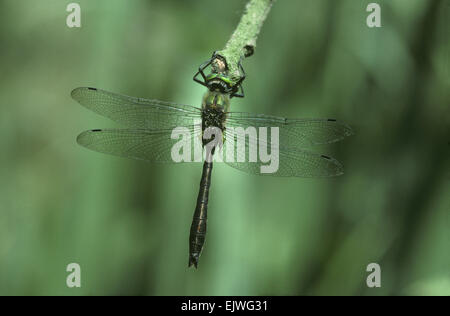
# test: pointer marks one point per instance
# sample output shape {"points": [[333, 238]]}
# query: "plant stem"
{"points": [[243, 41]]}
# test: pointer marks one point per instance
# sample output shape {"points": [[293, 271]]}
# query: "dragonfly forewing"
{"points": [[136, 112], [294, 133]]}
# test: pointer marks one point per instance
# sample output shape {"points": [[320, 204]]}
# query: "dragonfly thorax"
{"points": [[214, 108], [216, 100]]}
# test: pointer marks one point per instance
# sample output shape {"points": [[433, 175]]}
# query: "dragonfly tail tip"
{"points": [[193, 261]]}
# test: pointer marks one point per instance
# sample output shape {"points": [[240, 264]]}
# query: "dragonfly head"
{"points": [[218, 80]]}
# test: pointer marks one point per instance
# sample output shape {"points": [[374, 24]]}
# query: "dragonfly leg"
{"points": [[238, 85], [200, 72]]}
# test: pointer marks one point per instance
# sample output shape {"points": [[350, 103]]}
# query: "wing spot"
{"points": [[93, 89], [96, 130], [331, 120], [326, 157]]}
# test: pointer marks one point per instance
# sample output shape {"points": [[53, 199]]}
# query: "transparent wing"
{"points": [[288, 163], [149, 145], [293, 133], [136, 112]]}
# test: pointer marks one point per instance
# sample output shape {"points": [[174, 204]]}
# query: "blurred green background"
{"points": [[127, 222]]}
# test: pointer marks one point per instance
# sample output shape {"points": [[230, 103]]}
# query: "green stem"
{"points": [[243, 41]]}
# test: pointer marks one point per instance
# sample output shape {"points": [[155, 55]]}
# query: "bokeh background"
{"points": [[127, 222]]}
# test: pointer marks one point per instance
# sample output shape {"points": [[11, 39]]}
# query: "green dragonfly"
{"points": [[149, 136]]}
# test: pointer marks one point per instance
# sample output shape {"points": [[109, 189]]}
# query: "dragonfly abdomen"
{"points": [[198, 227]]}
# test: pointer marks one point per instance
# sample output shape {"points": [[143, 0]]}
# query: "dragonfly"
{"points": [[148, 135]]}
